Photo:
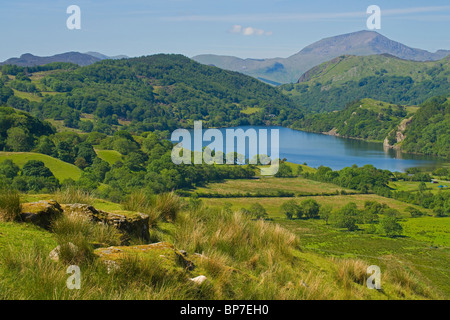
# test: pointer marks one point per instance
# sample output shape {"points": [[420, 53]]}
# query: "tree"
{"points": [[65, 152], [46, 146], [325, 213], [389, 224], [441, 172], [36, 168], [257, 211], [86, 151], [371, 211], [310, 208], [18, 140], [422, 187], [81, 163], [290, 209], [415, 213], [347, 216], [284, 171], [9, 169]]}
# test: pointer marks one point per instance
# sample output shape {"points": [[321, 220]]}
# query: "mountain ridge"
{"points": [[81, 59], [288, 70]]}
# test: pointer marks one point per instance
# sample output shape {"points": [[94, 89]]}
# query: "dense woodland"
{"points": [[428, 133], [153, 93]]}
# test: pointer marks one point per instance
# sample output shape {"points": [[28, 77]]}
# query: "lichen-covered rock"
{"points": [[164, 252], [133, 225], [41, 213]]}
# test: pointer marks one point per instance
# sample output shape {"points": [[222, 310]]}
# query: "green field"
{"points": [[62, 170], [110, 156], [268, 184], [423, 248]]}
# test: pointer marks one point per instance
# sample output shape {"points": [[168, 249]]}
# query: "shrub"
{"points": [[138, 201]]}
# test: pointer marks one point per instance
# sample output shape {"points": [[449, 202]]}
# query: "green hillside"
{"points": [[423, 129], [62, 170], [429, 131], [365, 119], [154, 92], [331, 85]]}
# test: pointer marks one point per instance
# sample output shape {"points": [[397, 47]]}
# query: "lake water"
{"points": [[337, 153]]}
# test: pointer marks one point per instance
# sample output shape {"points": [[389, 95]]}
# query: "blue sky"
{"points": [[244, 28]]}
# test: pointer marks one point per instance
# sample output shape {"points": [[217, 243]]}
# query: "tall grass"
{"points": [[76, 236], [406, 282], [28, 273], [140, 201], [168, 205], [163, 207], [73, 194], [10, 207]]}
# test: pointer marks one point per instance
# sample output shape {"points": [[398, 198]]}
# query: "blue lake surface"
{"points": [[334, 152]]}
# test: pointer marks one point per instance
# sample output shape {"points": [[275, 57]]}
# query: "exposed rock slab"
{"points": [[134, 225], [41, 213]]}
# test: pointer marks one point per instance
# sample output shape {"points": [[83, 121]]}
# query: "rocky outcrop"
{"points": [[41, 213], [131, 225], [332, 132], [399, 135]]}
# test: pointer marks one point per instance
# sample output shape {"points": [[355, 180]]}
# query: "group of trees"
{"points": [[34, 176], [369, 179], [19, 131], [348, 216]]}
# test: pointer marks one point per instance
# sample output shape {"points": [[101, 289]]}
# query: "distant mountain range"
{"points": [[288, 70], [81, 59]]}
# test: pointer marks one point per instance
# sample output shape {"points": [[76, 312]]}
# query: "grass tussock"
{"points": [[10, 207], [168, 205], [140, 201], [73, 194], [77, 235], [406, 283], [163, 207], [350, 270]]}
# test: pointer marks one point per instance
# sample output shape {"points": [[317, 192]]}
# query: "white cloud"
{"points": [[249, 31]]}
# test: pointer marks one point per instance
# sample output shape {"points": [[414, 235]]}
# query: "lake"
{"points": [[335, 152]]}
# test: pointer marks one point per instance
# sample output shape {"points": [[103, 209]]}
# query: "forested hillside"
{"points": [[153, 92], [365, 119], [429, 132], [427, 128], [331, 85]]}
